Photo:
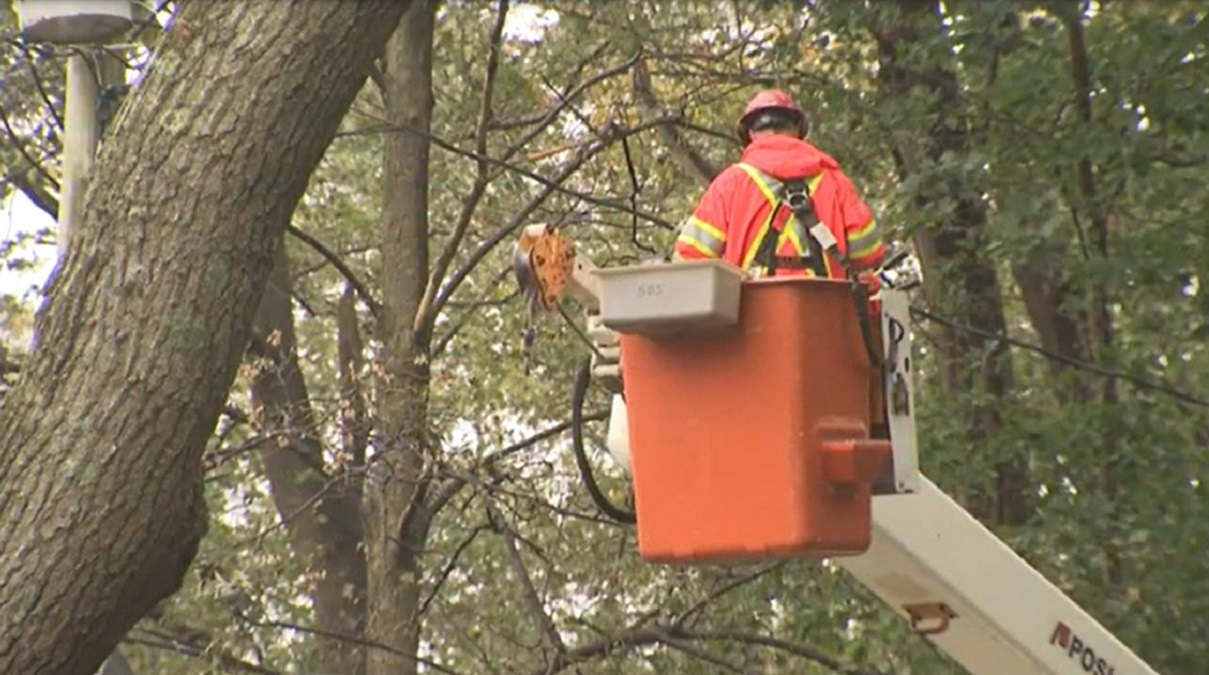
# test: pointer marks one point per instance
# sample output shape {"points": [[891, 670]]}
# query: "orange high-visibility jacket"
{"points": [[731, 217]]}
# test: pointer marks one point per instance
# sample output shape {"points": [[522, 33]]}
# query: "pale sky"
{"points": [[20, 215]]}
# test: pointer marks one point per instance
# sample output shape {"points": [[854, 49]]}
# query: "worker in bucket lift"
{"points": [[819, 226], [780, 169]]}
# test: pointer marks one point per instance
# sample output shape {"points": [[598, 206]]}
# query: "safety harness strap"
{"points": [[819, 240], [796, 195], [809, 234]]}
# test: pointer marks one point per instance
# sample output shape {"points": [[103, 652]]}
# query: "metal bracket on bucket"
{"points": [[900, 399], [929, 618]]}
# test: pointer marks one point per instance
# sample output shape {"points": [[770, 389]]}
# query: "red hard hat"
{"points": [[769, 99]]}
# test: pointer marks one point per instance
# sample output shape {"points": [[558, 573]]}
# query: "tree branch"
{"points": [[36, 194], [619, 642], [642, 636], [31, 62], [571, 96], [691, 160], [800, 651], [450, 565], [469, 312], [616, 204], [186, 645], [698, 609], [426, 314], [320, 248], [529, 595], [354, 639], [455, 484], [688, 648], [355, 425], [20, 146], [486, 246]]}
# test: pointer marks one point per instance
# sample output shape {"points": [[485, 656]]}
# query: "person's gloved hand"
{"points": [[873, 285], [871, 280]]}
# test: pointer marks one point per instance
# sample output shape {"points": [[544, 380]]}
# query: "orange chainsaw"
{"points": [[544, 264]]}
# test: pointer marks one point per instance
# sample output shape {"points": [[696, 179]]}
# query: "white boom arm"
{"points": [[952, 578], [939, 568]]}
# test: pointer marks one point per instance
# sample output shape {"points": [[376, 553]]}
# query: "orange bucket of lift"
{"points": [[753, 442]]}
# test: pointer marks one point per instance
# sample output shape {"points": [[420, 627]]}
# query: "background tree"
{"points": [[100, 434]]}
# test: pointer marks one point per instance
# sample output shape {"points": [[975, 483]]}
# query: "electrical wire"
{"points": [[583, 337], [583, 379], [1137, 380]]}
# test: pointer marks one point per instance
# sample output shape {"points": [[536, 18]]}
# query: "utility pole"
{"points": [[79, 142]]}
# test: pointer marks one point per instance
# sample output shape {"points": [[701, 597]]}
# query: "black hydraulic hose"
{"points": [[861, 301], [583, 378]]}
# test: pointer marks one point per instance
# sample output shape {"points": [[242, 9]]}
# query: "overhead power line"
{"points": [[1137, 380]]}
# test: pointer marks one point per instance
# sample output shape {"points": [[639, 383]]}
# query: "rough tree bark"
{"points": [[396, 483], [960, 278], [319, 505], [101, 441]]}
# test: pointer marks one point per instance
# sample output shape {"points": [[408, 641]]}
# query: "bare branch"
{"points": [[20, 146], [444, 341], [801, 651], [331, 257], [31, 62], [36, 194], [546, 117], [690, 159], [516, 122], [620, 642], [347, 251], [450, 489], [529, 593], [352, 399], [457, 327], [697, 610], [187, 645], [688, 648], [520, 217], [641, 636], [616, 204], [450, 565], [570, 98], [354, 639], [426, 313]]}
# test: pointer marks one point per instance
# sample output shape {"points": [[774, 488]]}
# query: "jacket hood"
{"points": [[786, 157]]}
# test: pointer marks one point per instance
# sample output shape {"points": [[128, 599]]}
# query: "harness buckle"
{"points": [[823, 235]]}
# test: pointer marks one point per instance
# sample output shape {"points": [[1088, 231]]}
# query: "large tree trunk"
{"points": [[101, 506], [960, 279], [396, 521], [319, 505]]}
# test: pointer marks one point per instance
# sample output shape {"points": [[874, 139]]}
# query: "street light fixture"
{"points": [[74, 22]]}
